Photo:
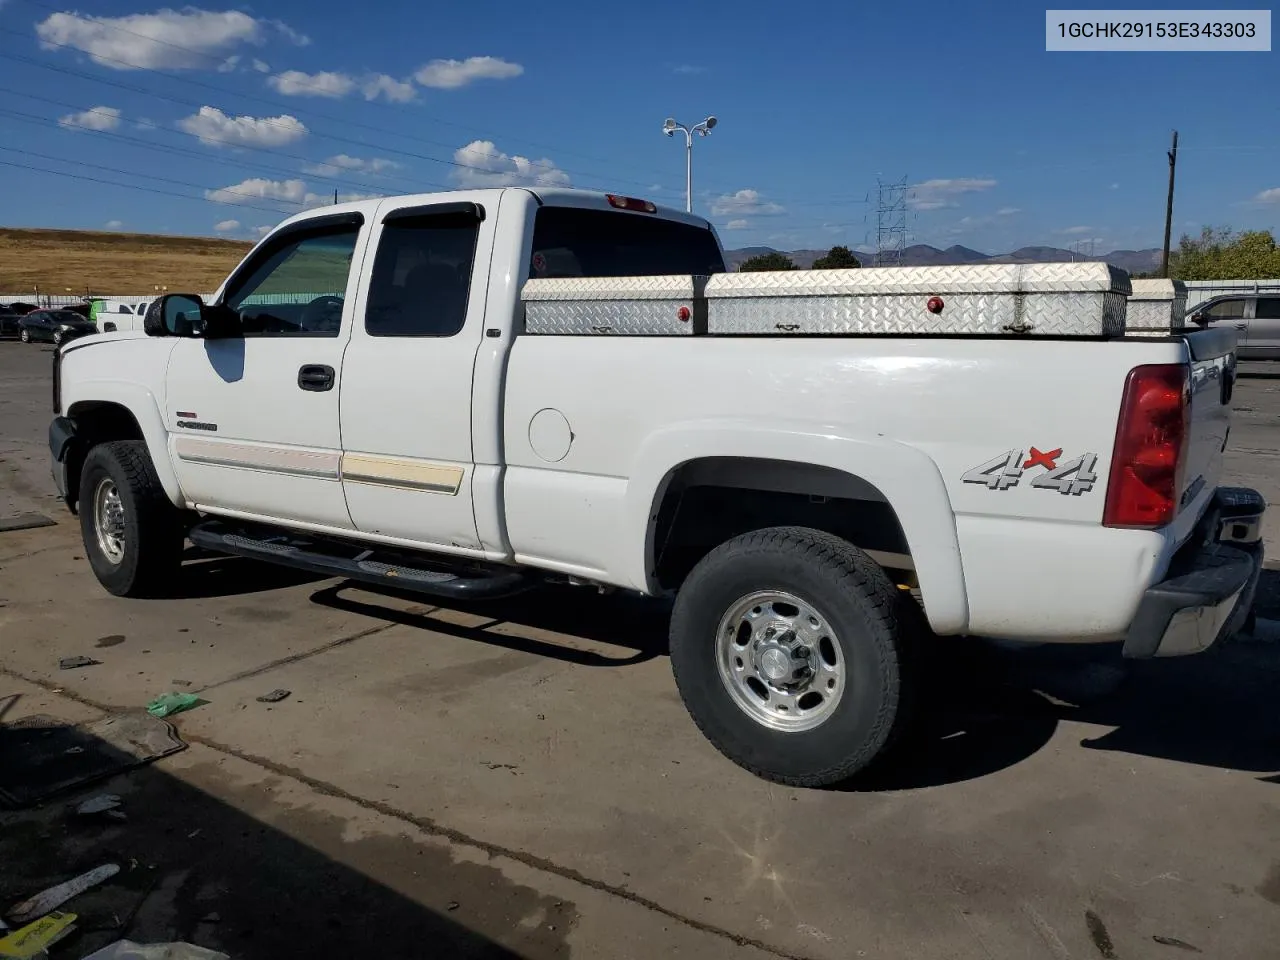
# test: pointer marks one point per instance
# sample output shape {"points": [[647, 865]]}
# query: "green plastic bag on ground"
{"points": [[169, 703]]}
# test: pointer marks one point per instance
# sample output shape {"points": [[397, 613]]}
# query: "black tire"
{"points": [[872, 628], [151, 532]]}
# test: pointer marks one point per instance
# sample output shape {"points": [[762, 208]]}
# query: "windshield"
{"points": [[570, 242]]}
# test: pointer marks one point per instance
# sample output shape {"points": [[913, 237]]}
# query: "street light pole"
{"points": [[701, 129]]}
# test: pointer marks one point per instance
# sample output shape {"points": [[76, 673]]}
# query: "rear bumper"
{"points": [[1209, 590]]}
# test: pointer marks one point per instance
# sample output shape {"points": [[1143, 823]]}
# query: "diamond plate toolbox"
{"points": [[1157, 308], [1037, 299], [620, 306]]}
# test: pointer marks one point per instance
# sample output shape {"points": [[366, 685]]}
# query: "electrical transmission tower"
{"points": [[891, 222]]}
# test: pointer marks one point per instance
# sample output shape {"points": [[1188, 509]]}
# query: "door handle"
{"points": [[316, 377], [1242, 326]]}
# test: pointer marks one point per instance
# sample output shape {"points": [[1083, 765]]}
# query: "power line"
{"points": [[277, 103], [117, 183], [208, 139], [149, 176]]}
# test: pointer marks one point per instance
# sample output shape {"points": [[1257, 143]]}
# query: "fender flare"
{"points": [[908, 479], [142, 404]]}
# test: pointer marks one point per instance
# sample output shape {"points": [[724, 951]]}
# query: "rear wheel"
{"points": [[132, 534], [790, 650], [25, 335]]}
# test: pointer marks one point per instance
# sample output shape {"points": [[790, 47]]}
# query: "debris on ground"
{"points": [[35, 939], [170, 703], [46, 901], [181, 683], [24, 521], [1175, 942], [71, 663], [45, 755], [128, 950], [275, 696], [99, 803]]}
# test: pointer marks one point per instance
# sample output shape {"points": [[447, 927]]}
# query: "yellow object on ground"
{"points": [[35, 938]]}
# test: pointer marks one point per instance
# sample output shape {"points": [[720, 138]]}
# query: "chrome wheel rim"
{"points": [[780, 661], [108, 520], [25, 336], [57, 338]]}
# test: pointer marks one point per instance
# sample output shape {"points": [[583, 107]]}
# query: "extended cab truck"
{"points": [[468, 394]]}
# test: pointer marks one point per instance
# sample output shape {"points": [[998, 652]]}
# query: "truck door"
{"points": [[1264, 328], [407, 462], [253, 420]]}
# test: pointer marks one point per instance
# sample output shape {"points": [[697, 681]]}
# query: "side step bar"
{"points": [[355, 562]]}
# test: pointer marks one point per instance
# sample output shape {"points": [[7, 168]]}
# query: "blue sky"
{"points": [[230, 118]]}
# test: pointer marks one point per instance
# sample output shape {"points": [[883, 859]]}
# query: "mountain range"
{"points": [[923, 255]]}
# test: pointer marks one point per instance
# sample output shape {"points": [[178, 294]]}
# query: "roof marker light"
{"points": [[631, 203]]}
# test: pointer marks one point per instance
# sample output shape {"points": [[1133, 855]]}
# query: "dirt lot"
{"points": [[520, 779], [112, 263]]}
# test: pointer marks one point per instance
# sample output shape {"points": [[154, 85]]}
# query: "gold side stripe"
{"points": [[400, 472], [306, 463]]}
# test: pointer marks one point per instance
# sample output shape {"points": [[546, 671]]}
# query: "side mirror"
{"points": [[1199, 318], [173, 315], [186, 315]]}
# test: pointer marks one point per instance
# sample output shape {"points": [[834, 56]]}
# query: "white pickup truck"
{"points": [[469, 394]]}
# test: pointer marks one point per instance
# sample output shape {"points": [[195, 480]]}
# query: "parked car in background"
{"points": [[1256, 317], [9, 322], [54, 326]]}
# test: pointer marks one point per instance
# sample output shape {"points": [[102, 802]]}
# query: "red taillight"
{"points": [[1150, 450], [631, 203]]}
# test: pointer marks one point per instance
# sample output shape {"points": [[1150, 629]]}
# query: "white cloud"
{"points": [[1115, 186], [737, 225], [262, 230], [114, 224], [687, 69], [294, 37], [228, 65], [745, 203], [451, 74], [256, 188], [380, 85], [335, 165], [1076, 231], [142, 123], [1008, 211], [226, 226], [215, 128], [261, 66], [484, 165], [187, 39], [295, 83], [937, 194], [95, 118], [1268, 196]]}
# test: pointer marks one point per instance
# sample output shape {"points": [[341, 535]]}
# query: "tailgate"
{"points": [[1213, 374]]}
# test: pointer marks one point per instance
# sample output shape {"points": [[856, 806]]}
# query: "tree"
{"points": [[1223, 254], [767, 261], [837, 258]]}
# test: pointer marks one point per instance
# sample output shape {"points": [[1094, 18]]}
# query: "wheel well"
{"points": [[707, 502], [96, 422]]}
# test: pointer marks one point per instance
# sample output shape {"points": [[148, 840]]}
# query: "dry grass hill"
{"points": [[111, 263]]}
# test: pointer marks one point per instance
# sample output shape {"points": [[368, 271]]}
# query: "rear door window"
{"points": [[1268, 308], [571, 242]]}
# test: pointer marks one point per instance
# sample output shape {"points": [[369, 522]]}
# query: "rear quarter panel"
{"points": [[911, 416]]}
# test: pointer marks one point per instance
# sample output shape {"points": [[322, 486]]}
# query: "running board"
{"points": [[334, 558]]}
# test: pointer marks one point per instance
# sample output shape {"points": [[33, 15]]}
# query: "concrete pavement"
{"points": [[533, 756]]}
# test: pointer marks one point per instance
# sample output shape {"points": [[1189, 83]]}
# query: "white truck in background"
{"points": [[472, 393]]}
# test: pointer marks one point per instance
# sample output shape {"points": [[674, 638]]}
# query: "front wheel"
{"points": [[57, 338], [790, 651], [25, 335], [132, 533]]}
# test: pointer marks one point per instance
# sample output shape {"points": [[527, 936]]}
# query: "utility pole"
{"points": [[1168, 208], [335, 196]]}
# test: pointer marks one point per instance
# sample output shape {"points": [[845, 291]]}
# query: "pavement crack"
{"points": [[295, 657], [430, 827]]}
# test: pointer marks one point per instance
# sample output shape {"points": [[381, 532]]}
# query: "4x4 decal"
{"points": [[1071, 478]]}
